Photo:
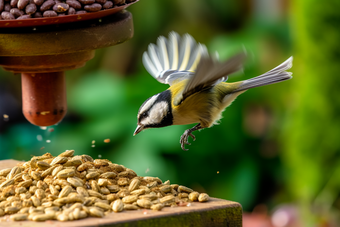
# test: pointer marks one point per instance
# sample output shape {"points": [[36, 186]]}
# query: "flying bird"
{"points": [[198, 91]]}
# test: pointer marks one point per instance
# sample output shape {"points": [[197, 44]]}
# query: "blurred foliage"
{"points": [[311, 136], [275, 144]]}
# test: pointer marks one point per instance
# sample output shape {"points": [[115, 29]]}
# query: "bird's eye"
{"points": [[144, 114]]}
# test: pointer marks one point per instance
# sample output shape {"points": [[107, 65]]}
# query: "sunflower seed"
{"points": [[67, 153], [193, 196], [203, 197], [18, 217], [118, 205]]}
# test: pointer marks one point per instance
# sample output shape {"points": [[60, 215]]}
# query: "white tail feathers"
{"points": [[275, 75]]}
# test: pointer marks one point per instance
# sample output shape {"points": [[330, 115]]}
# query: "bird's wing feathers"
{"points": [[173, 59], [177, 58], [209, 73]]}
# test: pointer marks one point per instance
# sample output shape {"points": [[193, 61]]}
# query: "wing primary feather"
{"points": [[163, 52], [185, 51], [195, 58], [154, 57], [149, 66], [173, 49]]}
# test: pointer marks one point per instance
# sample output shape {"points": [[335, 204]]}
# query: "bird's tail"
{"points": [[275, 75]]}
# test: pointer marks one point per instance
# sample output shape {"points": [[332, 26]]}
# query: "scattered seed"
{"points": [[203, 197]]}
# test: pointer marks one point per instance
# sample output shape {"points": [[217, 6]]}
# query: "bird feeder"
{"points": [[42, 49]]}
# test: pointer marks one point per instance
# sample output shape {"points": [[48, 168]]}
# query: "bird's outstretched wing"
{"points": [[178, 58], [210, 72], [173, 59]]}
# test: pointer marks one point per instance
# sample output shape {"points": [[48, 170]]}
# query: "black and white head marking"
{"points": [[156, 112]]}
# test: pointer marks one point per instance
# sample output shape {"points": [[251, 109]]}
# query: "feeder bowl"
{"points": [[42, 49]]}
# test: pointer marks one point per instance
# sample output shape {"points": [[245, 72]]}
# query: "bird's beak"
{"points": [[138, 129]]}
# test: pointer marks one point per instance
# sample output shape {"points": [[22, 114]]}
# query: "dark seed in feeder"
{"points": [[7, 7], [14, 3], [118, 2], [81, 12], [93, 8], [101, 1], [71, 11], [73, 3], [31, 8], [23, 3], [87, 2], [7, 16], [24, 17], [38, 2], [108, 5], [60, 7], [37, 15], [2, 5], [16, 12], [47, 5], [50, 13]]}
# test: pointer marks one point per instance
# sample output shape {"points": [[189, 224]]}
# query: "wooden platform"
{"points": [[216, 212]]}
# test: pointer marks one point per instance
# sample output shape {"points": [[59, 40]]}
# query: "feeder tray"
{"points": [[214, 213], [42, 49]]}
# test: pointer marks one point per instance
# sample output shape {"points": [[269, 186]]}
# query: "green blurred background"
{"points": [[276, 148]]}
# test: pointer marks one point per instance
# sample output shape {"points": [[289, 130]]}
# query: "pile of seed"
{"points": [[24, 9], [69, 187]]}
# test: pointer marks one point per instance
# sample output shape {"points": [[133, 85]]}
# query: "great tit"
{"points": [[198, 92]]}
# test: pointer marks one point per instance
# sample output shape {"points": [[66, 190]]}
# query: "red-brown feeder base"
{"points": [[41, 54]]}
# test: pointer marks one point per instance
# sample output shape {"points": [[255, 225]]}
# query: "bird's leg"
{"points": [[186, 134]]}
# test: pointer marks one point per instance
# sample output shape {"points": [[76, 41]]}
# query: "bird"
{"points": [[198, 91]]}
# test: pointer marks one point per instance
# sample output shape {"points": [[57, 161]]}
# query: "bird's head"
{"points": [[155, 112]]}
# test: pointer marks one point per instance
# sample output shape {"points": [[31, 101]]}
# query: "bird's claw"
{"points": [[185, 139]]}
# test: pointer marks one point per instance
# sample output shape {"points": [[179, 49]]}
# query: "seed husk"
{"points": [[138, 192], [158, 206], [165, 188], [65, 191], [193, 196], [56, 170], [67, 153], [167, 199], [203, 197], [59, 160], [75, 162], [42, 217], [92, 175], [184, 189], [102, 205], [118, 205], [43, 165], [7, 183], [134, 184], [11, 210], [130, 199], [108, 175], [130, 207], [5, 172], [113, 188], [144, 203], [14, 171], [95, 212], [75, 182], [95, 194], [18, 217], [66, 173], [62, 217]]}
